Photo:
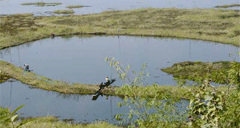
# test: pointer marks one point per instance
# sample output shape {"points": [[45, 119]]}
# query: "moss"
{"points": [[63, 11], [42, 4], [217, 71]]}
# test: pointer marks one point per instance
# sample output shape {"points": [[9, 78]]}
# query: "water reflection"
{"points": [[42, 103]]}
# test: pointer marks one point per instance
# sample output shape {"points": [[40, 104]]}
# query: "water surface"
{"points": [[97, 6], [82, 59], [46, 103], [79, 108]]}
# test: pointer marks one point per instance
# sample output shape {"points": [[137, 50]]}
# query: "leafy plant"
{"points": [[7, 117], [145, 111]]}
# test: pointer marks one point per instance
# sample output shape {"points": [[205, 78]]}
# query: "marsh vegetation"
{"points": [[195, 70], [204, 24], [63, 11], [227, 6], [42, 4], [209, 106], [76, 6]]}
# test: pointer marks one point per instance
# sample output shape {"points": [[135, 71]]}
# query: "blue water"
{"points": [[82, 59], [97, 6], [46, 103]]}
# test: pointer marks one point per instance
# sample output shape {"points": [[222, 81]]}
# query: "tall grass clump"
{"points": [[145, 111], [209, 106]]}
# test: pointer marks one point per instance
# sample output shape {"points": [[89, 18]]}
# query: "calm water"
{"points": [[42, 103], [97, 6], [82, 59], [80, 108]]}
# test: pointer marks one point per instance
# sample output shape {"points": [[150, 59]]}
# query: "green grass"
{"points": [[63, 11], [41, 82], [3, 78], [201, 24], [193, 70], [227, 6], [53, 122], [75, 6], [216, 25], [42, 4]]}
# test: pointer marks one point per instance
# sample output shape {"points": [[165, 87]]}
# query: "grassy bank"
{"points": [[53, 122], [42, 82], [216, 71], [202, 24], [3, 78]]}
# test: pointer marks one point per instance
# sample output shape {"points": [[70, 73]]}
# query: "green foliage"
{"points": [[206, 107], [213, 108], [7, 117], [234, 75], [145, 111]]}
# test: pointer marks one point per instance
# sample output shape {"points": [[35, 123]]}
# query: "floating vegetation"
{"points": [[76, 6], [227, 6], [42, 4], [63, 11]]}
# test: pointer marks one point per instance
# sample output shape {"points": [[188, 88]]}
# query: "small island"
{"points": [[76, 6], [63, 11], [42, 4]]}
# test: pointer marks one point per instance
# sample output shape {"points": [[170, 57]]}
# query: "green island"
{"points": [[76, 6], [227, 6], [63, 11], [193, 70], [216, 25], [42, 4], [44, 83]]}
